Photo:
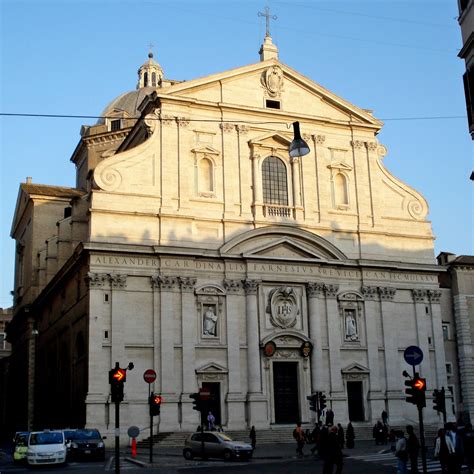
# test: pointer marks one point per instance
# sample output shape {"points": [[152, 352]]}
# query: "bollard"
{"points": [[134, 447]]}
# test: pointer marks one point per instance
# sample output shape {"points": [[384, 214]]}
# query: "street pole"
{"points": [[317, 407], [151, 426], [422, 439], [117, 437]]}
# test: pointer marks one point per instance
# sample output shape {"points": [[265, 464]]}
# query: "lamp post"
{"points": [[298, 147]]}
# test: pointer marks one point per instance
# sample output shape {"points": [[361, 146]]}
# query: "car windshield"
{"points": [[46, 438], [225, 437], [86, 434]]}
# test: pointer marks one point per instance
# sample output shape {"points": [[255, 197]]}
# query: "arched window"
{"points": [[145, 79], [341, 197], [205, 176], [274, 181], [153, 79]]}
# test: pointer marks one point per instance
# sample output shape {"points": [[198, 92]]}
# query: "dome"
{"points": [[127, 102]]}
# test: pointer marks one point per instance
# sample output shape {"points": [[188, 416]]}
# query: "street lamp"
{"points": [[298, 146]]}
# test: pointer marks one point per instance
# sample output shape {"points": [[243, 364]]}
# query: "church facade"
{"points": [[194, 245]]}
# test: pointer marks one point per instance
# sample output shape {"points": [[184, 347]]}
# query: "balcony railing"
{"points": [[275, 210]]}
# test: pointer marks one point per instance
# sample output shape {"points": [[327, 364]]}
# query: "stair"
{"points": [[276, 434]]}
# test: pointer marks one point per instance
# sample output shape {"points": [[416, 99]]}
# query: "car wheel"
{"points": [[227, 455], [188, 454]]}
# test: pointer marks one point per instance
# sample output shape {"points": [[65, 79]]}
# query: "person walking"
{"points": [[333, 453], [377, 433], [350, 436], [413, 448], [401, 452], [253, 437], [299, 437], [384, 417], [443, 449], [455, 459], [315, 434], [340, 435], [329, 417], [210, 421]]}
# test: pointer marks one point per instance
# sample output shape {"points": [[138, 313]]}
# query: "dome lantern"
{"points": [[150, 73]]}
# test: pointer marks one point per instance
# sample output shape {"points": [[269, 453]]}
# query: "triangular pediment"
{"points": [[205, 150], [354, 369], [284, 248], [246, 88], [212, 368], [340, 165]]}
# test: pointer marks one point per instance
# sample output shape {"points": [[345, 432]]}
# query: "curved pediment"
{"points": [[281, 244]]}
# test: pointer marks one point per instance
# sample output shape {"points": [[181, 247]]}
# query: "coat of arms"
{"points": [[283, 307], [272, 80]]}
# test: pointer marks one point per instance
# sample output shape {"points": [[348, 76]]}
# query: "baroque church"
{"points": [[192, 244]]}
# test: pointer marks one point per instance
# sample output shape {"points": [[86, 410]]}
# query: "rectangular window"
{"points": [[445, 332], [115, 125], [449, 368], [106, 297], [273, 104]]}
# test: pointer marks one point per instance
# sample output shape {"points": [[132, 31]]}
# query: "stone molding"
{"points": [[358, 144], [118, 280], [243, 129], [96, 280], [369, 292], [167, 120], [227, 127], [182, 121], [251, 286], [371, 146], [187, 284], [272, 81], [419, 296], [331, 291], [233, 286], [315, 289], [434, 296], [165, 282], [386, 293]]}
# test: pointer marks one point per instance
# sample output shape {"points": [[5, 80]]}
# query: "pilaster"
{"points": [[422, 318]]}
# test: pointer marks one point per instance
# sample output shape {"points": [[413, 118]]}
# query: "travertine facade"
{"points": [[195, 246]]}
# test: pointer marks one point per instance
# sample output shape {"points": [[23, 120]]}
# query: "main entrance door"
{"points": [[214, 403], [285, 392], [356, 401]]}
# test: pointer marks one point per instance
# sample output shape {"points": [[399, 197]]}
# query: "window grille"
{"points": [[274, 181]]}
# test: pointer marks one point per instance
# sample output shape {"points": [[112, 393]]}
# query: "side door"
{"points": [[212, 445]]}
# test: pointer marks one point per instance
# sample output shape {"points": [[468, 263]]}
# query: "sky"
{"points": [[395, 57]]}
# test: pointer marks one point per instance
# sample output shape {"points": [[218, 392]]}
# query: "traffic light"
{"points": [[155, 404], [322, 402], [439, 401], [117, 377], [416, 391], [313, 402], [197, 405]]}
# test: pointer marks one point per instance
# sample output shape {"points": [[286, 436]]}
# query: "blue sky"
{"points": [[398, 58]]}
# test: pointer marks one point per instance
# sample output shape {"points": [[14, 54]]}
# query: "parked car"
{"points": [[46, 447], [20, 446], [216, 445], [85, 443]]}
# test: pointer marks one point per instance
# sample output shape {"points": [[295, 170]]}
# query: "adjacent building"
{"points": [[193, 245]]}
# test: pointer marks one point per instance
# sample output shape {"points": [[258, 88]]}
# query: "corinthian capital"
{"points": [[251, 286], [187, 284], [118, 280], [96, 280], [369, 292], [331, 290], [434, 295], [419, 296], [386, 293], [233, 286], [314, 289]]}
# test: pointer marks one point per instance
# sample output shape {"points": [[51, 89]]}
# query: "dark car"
{"points": [[85, 443], [216, 445]]}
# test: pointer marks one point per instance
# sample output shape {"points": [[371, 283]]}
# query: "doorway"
{"points": [[355, 399], [214, 402], [285, 392]]}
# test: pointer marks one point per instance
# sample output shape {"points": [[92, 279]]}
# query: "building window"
{"points": [[273, 104], [445, 332], [145, 79], [153, 79], [205, 175], [115, 125], [449, 369], [274, 181], [341, 196]]}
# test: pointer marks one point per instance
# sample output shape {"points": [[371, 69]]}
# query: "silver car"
{"points": [[216, 445]]}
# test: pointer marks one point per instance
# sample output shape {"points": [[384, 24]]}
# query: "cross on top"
{"points": [[151, 46], [267, 19]]}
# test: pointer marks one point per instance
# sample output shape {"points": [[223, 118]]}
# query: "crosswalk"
{"points": [[389, 459]]}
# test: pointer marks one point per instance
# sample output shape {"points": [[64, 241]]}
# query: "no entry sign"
{"points": [[149, 376]]}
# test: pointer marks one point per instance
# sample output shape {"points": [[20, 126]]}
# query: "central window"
{"points": [[274, 181]]}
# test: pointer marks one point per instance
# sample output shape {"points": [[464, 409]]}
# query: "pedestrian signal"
{"points": [[197, 403]]}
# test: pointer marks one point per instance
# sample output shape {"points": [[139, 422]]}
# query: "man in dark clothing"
{"points": [[384, 417], [329, 417], [413, 448], [332, 453]]}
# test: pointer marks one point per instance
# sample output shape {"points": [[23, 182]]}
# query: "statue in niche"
{"points": [[209, 327], [351, 326]]}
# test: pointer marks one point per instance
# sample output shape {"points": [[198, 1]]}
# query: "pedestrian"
{"points": [[469, 446], [329, 417], [340, 435], [377, 433], [253, 437], [401, 452], [315, 437], [299, 438], [210, 421], [384, 417], [456, 458], [333, 453], [443, 449], [413, 448], [350, 436]]}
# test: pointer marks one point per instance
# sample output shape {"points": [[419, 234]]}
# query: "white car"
{"points": [[46, 447]]}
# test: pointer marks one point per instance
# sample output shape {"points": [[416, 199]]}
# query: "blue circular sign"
{"points": [[413, 355]]}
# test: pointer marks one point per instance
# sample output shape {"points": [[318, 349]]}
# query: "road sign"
{"points": [[149, 376], [204, 393], [413, 355], [133, 431]]}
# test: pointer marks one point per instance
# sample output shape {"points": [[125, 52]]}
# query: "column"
{"points": [[376, 399], [256, 406], [440, 377], [190, 417], [235, 398], [396, 405], [317, 310], [169, 286]]}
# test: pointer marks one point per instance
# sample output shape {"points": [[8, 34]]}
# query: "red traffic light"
{"points": [[156, 399], [419, 384], [119, 375]]}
